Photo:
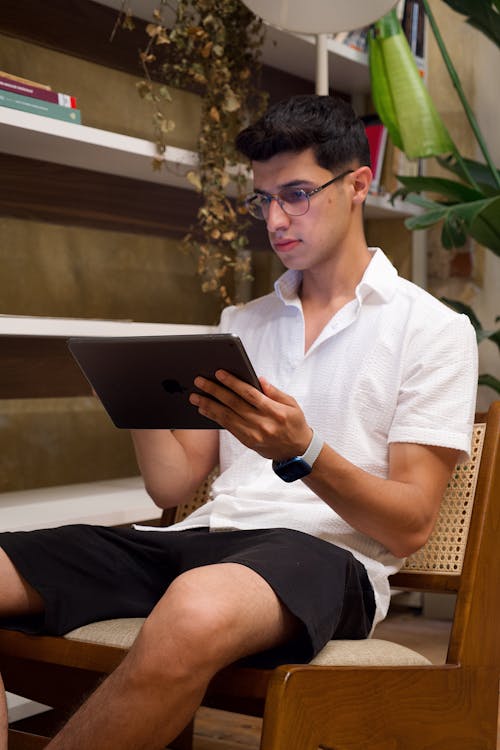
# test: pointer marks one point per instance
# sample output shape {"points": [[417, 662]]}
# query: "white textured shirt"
{"points": [[393, 365]]}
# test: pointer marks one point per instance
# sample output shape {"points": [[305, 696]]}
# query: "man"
{"points": [[329, 476]]}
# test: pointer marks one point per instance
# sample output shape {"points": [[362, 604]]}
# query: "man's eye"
{"points": [[262, 200], [292, 196]]}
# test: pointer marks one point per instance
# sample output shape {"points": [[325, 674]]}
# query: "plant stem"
{"points": [[458, 86], [464, 168]]}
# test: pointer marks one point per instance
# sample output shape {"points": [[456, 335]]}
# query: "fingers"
{"points": [[270, 422], [275, 394]]}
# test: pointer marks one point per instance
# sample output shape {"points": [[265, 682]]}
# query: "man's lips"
{"points": [[284, 245]]}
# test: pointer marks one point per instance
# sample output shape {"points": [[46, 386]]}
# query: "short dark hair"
{"points": [[327, 124]]}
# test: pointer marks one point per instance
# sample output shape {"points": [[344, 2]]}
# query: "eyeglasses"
{"points": [[293, 201]]}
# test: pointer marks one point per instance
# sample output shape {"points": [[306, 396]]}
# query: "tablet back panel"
{"points": [[144, 382]]}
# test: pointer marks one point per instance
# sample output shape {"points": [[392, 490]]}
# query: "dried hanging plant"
{"points": [[212, 46]]}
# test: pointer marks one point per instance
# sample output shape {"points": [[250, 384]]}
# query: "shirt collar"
{"points": [[378, 281]]}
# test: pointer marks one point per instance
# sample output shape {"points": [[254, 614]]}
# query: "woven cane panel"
{"points": [[201, 496], [445, 549]]}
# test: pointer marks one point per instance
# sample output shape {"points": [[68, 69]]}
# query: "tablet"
{"points": [[144, 382]]}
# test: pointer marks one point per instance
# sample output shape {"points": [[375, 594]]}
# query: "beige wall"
{"points": [[477, 61], [107, 98], [53, 270], [487, 107]]}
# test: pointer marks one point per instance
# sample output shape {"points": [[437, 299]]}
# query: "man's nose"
{"points": [[277, 218]]}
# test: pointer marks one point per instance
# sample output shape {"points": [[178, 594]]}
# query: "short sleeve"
{"points": [[437, 397]]}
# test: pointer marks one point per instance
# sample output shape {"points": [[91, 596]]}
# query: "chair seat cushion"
{"points": [[370, 652], [119, 633]]}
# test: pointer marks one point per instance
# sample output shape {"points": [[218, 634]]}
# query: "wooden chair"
{"points": [[356, 694]]}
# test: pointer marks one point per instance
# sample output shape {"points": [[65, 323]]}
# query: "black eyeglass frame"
{"points": [[276, 196]]}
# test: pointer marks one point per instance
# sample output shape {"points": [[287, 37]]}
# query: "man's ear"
{"points": [[361, 181]]}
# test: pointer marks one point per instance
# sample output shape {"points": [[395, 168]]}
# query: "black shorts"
{"points": [[90, 573]]}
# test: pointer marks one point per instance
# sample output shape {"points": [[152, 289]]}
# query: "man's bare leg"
{"points": [[17, 597], [3, 718], [208, 618]]}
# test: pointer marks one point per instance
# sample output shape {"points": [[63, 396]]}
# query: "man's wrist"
{"points": [[299, 466]]}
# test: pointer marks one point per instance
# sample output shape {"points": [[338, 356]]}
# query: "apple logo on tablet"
{"points": [[172, 386]]}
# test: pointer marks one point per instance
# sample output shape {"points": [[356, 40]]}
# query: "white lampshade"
{"points": [[320, 16]]}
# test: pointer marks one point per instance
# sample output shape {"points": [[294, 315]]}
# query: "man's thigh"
{"points": [[226, 610]]}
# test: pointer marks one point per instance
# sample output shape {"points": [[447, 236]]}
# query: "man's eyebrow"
{"points": [[290, 184]]}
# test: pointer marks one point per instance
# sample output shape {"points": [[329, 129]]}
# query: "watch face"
{"points": [[289, 471]]}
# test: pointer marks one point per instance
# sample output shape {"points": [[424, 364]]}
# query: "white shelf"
{"points": [[296, 54], [380, 207], [27, 325], [109, 502], [36, 137]]}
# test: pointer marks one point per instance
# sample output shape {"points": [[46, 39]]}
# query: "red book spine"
{"points": [[17, 87]]}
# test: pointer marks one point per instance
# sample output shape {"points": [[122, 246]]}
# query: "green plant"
{"points": [[467, 207], [213, 47]]}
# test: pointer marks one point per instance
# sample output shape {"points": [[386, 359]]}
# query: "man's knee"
{"points": [[212, 616], [188, 629]]}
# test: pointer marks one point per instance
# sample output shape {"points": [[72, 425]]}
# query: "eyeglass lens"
{"points": [[292, 201]]}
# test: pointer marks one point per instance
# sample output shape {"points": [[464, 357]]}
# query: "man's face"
{"points": [[305, 242]]}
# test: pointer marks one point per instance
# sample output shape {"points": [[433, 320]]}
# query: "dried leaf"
{"points": [[194, 179], [143, 88], [128, 21], [146, 57], [165, 93], [231, 101], [214, 114], [163, 38], [166, 126], [207, 49], [157, 163], [153, 29]]}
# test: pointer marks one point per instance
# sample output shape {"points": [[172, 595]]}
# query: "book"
{"points": [[413, 23], [25, 80], [357, 39], [39, 107], [376, 133], [25, 89]]}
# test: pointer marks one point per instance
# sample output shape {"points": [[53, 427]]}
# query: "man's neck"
{"points": [[337, 279], [325, 291]]}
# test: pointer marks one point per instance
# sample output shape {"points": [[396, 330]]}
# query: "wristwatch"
{"points": [[299, 466]]}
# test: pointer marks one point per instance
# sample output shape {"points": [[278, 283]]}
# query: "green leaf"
{"points": [[423, 202], [428, 219], [400, 96], [381, 94], [478, 219], [454, 231], [442, 186], [495, 338], [490, 380], [485, 226], [479, 172]]}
